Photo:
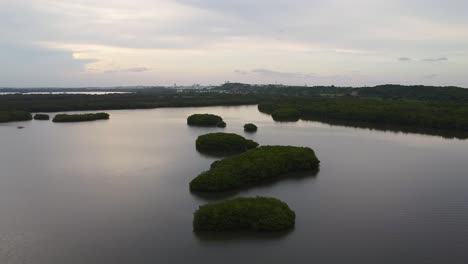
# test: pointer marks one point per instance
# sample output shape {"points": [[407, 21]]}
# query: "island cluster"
{"points": [[245, 165]]}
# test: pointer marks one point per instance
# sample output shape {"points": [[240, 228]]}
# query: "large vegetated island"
{"points": [[254, 167], [64, 118], [251, 214], [408, 115], [205, 120], [12, 116], [223, 143], [420, 109]]}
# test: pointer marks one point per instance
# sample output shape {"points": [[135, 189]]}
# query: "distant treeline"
{"points": [[78, 102], [409, 114], [416, 92]]}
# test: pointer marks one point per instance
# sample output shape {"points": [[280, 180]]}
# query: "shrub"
{"points": [[250, 127], [224, 143], [41, 117], [253, 214], [205, 120], [253, 167], [12, 116], [80, 117]]}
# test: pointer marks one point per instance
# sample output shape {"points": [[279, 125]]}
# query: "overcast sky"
{"points": [[162, 42]]}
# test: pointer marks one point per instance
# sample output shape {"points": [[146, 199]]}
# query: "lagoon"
{"points": [[116, 191]]}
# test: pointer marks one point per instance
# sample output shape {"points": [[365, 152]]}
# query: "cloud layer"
{"points": [[72, 43]]}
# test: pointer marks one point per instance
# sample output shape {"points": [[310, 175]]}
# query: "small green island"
{"points": [[206, 120], [63, 118], [255, 166], [41, 117], [224, 143], [259, 214], [13, 116], [250, 127]]}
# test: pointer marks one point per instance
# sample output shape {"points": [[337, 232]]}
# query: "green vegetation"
{"points": [[83, 102], [250, 127], [205, 120], [224, 143], [404, 113], [61, 118], [416, 92], [41, 117], [12, 116], [286, 115], [388, 91], [251, 214], [253, 167], [221, 124]]}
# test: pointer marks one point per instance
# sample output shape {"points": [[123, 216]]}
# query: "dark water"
{"points": [[116, 191]]}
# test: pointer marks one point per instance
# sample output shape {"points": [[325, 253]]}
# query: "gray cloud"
{"points": [[131, 70], [280, 74], [242, 72], [405, 59], [435, 59], [293, 77], [283, 27]]}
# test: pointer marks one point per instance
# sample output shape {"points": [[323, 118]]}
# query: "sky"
{"points": [[63, 43]]}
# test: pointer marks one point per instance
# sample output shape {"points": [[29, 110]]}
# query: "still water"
{"points": [[116, 191]]}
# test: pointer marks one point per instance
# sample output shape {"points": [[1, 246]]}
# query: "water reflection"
{"points": [[237, 236]]}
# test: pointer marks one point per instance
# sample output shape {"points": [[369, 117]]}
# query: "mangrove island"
{"points": [[207, 120], [253, 167], [250, 214], [250, 127], [224, 143], [41, 117], [61, 118], [12, 116]]}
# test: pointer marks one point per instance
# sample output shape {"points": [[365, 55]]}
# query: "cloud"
{"points": [[206, 39], [435, 59], [270, 76], [430, 76], [242, 72], [280, 74], [131, 70], [405, 59]]}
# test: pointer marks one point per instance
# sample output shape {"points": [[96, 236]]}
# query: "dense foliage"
{"points": [[221, 124], [254, 166], [418, 114], [286, 114], [205, 120], [41, 117], [82, 102], [252, 214], [416, 92], [250, 127], [61, 118], [11, 116], [224, 143]]}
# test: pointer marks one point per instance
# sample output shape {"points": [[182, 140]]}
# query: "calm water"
{"points": [[116, 191]]}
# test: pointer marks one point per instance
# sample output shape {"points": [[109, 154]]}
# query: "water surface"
{"points": [[116, 191]]}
